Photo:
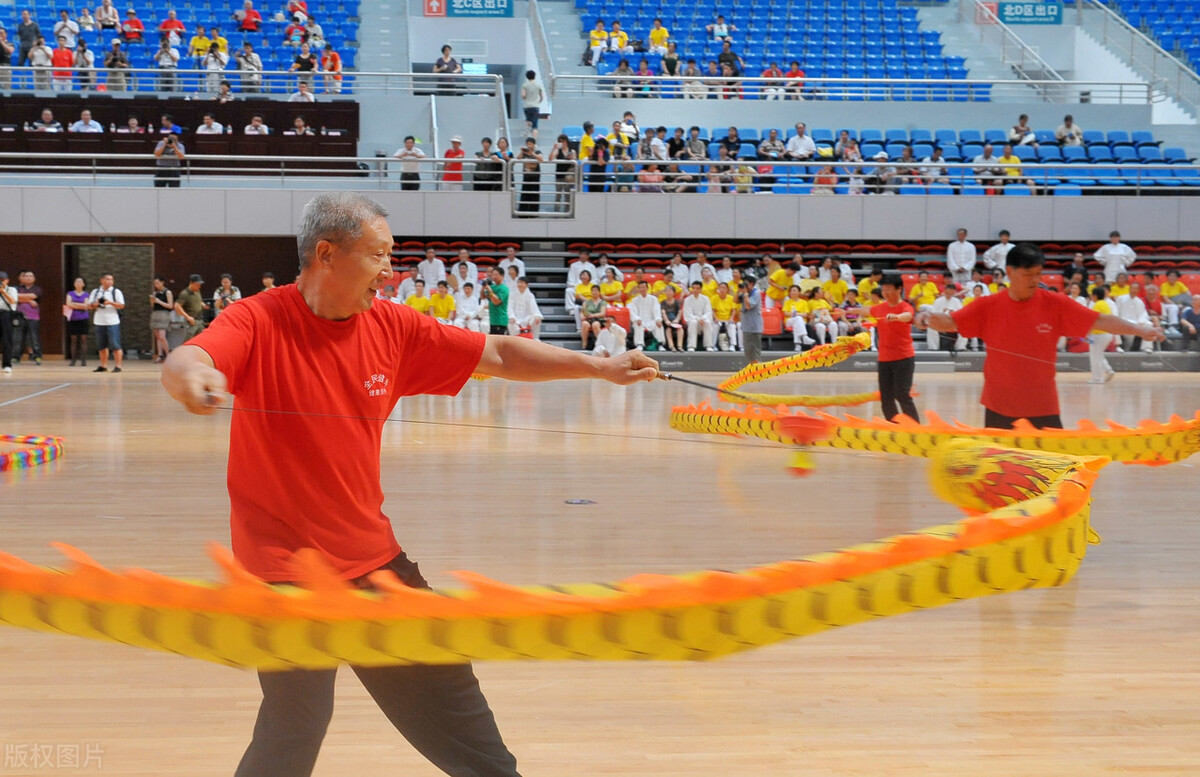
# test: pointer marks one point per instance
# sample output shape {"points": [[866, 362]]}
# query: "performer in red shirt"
{"points": [[1021, 326], [893, 325], [328, 366]]}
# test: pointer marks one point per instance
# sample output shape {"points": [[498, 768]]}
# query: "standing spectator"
{"points": [[564, 173], [331, 70], [6, 57], [108, 302], [166, 59], [29, 307], [897, 359], [1069, 133], [532, 95], [169, 155], [107, 16], [117, 62], [489, 168], [66, 29], [432, 269], [86, 123], [960, 258], [173, 29], [996, 257], [496, 294], [302, 94], [191, 305], [132, 29], [446, 67], [85, 62], [28, 35], [214, 63], [8, 316], [452, 176], [249, 19], [251, 67], [750, 301], [410, 156], [63, 59], [162, 303], [226, 294], [305, 65], [1115, 256], [41, 57], [795, 81], [523, 311], [698, 314], [1099, 340]]}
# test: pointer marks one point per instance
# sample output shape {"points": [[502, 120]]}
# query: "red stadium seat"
{"points": [[621, 315], [839, 248], [772, 321], [769, 248], [1053, 280], [1192, 280], [674, 248], [485, 245]]}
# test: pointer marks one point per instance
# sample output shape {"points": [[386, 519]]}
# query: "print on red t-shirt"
{"points": [[306, 481], [1022, 347], [895, 337]]}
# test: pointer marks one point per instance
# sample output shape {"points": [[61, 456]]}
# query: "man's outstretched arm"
{"points": [[516, 358]]}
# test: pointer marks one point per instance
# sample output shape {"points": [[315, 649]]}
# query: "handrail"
{"points": [[541, 43], [1013, 51], [885, 89], [1142, 52]]}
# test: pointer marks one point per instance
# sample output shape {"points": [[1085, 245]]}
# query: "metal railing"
{"points": [[541, 44], [1143, 53], [556, 187], [1014, 52], [844, 89], [279, 84]]}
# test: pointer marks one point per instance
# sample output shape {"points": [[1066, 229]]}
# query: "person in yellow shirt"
{"points": [[1120, 287], [417, 300], [808, 280], [215, 36], [795, 308], [618, 40], [708, 284], [198, 46], [923, 293], [598, 38], [1102, 372], [869, 284], [583, 289], [779, 282], [659, 36], [586, 141], [820, 316], [1173, 288], [442, 303], [666, 287], [998, 281], [1012, 169], [725, 306], [630, 290], [611, 289], [835, 288]]}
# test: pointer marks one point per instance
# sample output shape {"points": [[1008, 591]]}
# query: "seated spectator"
{"points": [[773, 90], [300, 127], [249, 20], [839, 146], [86, 21], [198, 46], [730, 58], [1189, 326], [132, 127], [331, 68], [46, 123], [594, 313], [659, 38], [732, 143], [720, 31], [214, 35], [824, 181], [881, 176], [172, 28], [85, 62], [1173, 290], [906, 168], [295, 7], [696, 149], [611, 339], [66, 29], [612, 290], [598, 41], [795, 311], [86, 123], [1021, 134], [63, 59], [225, 93], [618, 40], [924, 293], [670, 62], [295, 34], [302, 94], [721, 176], [671, 314], [256, 126], [725, 318], [623, 80], [418, 300], [795, 81], [107, 16], [132, 30], [523, 311], [1120, 287], [316, 34], [651, 179], [645, 86], [442, 304], [693, 89], [820, 316], [987, 168], [800, 147], [210, 126], [713, 89], [1132, 307], [468, 312], [617, 140], [679, 181], [935, 170], [305, 64], [1069, 133], [1012, 169], [677, 145]]}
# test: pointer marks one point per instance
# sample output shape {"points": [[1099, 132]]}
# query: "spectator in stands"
{"points": [[618, 40], [419, 300], [1099, 340], [410, 156], [800, 147], [63, 59], [297, 7], [771, 149], [835, 288], [86, 123], [198, 46], [531, 177], [1069, 133], [720, 31], [996, 257], [268, 280], [316, 34], [452, 177], [934, 168], [532, 95], [66, 29], [167, 125], [408, 282], [107, 16], [6, 57], [696, 149], [693, 89], [960, 257], [881, 175], [612, 290], [671, 313], [731, 59], [117, 62], [795, 81], [446, 67], [987, 168], [306, 64], [295, 33], [1021, 134], [669, 66], [226, 293], [41, 57], [300, 127], [1132, 307], [169, 155], [489, 169], [463, 272], [132, 127], [677, 145], [214, 63], [725, 318], [1175, 290], [523, 311], [611, 339], [698, 314], [256, 126], [46, 123], [442, 304], [432, 269], [923, 293], [598, 42], [623, 80], [224, 93], [732, 143], [824, 181], [1012, 169], [214, 35], [173, 29], [714, 90], [468, 312], [906, 167], [210, 126], [249, 20], [645, 86], [618, 140], [132, 29], [659, 38], [562, 155], [302, 94], [29, 34], [166, 59], [778, 283], [1189, 326], [947, 302], [85, 20], [1115, 256], [841, 144], [331, 68], [773, 90], [84, 61]]}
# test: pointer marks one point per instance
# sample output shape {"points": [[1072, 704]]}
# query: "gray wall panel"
{"points": [[830, 216], [12, 204], [1156, 215], [699, 216], [250, 213], [127, 213], [893, 217], [57, 210], [1019, 216], [1079, 218], [945, 215], [773, 214], [194, 211]]}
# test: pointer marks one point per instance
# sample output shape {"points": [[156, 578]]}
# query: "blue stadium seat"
{"points": [[972, 190], [1142, 138], [1017, 190], [1150, 154], [996, 137], [1118, 138], [1175, 154], [941, 189], [1073, 154], [1068, 190], [912, 188], [970, 136], [1093, 137], [945, 136], [1047, 153], [896, 135]]}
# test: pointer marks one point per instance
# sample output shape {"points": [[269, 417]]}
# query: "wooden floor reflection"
{"points": [[1099, 677]]}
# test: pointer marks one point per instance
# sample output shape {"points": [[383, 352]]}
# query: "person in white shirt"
{"points": [[584, 262], [523, 312], [166, 59], [825, 271], [696, 269], [66, 29], [611, 340], [107, 302], [256, 126], [469, 312], [510, 257], [645, 312], [960, 258], [1132, 307], [410, 165], [800, 147], [463, 273], [510, 279], [947, 303], [210, 126], [431, 269], [602, 266], [107, 16], [303, 94], [408, 283], [725, 271], [464, 259], [1115, 256], [679, 269], [698, 315], [996, 257], [86, 123], [86, 21]]}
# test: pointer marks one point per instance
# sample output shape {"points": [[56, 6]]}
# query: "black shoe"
{"points": [[72, 364], [100, 369], [116, 369]]}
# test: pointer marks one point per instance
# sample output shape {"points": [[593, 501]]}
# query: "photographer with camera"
{"points": [[496, 293], [750, 299], [169, 155], [107, 301]]}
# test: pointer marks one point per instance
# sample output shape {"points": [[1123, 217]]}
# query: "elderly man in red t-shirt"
{"points": [[332, 365], [1021, 327]]}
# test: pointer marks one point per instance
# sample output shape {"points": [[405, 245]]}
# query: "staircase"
{"points": [[564, 35], [546, 272], [962, 40]]}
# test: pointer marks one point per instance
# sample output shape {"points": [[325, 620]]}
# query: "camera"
{"points": [[101, 302], [741, 297], [485, 282]]}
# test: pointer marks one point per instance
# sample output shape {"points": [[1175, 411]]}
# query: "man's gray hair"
{"points": [[336, 217]]}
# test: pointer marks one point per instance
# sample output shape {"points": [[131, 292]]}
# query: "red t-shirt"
{"points": [[172, 24], [454, 169], [63, 58], [1022, 347], [304, 481], [133, 29], [895, 337], [251, 21]]}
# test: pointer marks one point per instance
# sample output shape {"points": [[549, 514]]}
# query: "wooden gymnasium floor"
{"points": [[1100, 677]]}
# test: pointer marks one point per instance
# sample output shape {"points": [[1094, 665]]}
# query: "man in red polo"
{"points": [[335, 364], [897, 360]]}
